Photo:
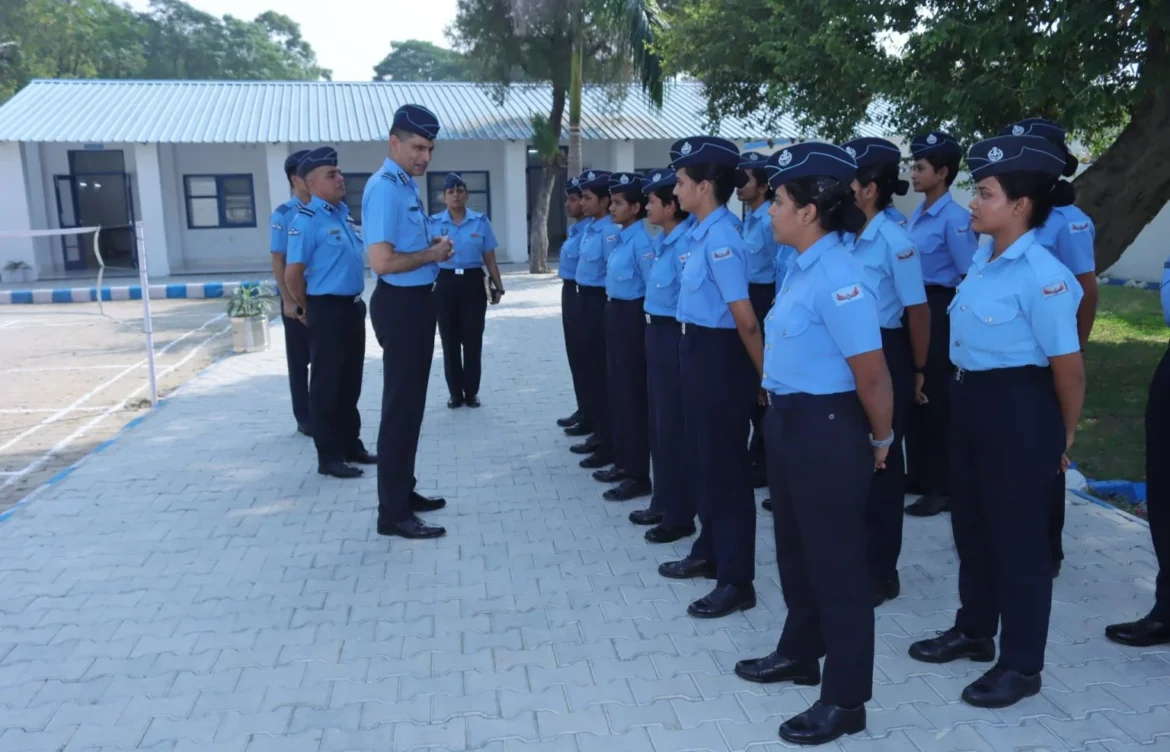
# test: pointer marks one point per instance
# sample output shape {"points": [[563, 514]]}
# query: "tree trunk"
{"points": [[538, 229], [1126, 188], [575, 87]]}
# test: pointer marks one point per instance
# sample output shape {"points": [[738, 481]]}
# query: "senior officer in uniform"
{"points": [[829, 428], [402, 308], [1017, 396], [720, 361], [672, 507], [892, 272], [459, 291], [325, 277], [942, 235], [296, 337], [570, 309]]}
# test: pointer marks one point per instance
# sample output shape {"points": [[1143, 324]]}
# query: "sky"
{"points": [[349, 37]]}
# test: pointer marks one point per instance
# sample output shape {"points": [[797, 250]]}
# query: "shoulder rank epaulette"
{"points": [[303, 210], [388, 176]]}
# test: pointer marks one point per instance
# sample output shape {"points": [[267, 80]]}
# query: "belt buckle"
{"points": [[768, 397], [357, 298], [647, 318], [959, 374], [683, 324], [459, 272]]}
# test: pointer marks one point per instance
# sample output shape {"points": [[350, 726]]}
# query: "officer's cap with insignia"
{"points": [[935, 142], [293, 160], [324, 156], [414, 118], [699, 150], [1007, 154], [810, 159], [596, 181], [573, 186], [629, 184], [453, 180], [752, 160], [655, 179], [1036, 127], [872, 151]]}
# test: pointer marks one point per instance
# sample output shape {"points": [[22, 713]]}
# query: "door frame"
{"points": [[73, 196]]}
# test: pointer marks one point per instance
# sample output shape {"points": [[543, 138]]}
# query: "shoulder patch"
{"points": [[848, 294], [961, 229], [1054, 289], [721, 254], [905, 255], [1079, 226], [277, 226]]}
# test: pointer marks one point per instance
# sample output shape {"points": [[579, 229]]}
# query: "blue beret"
{"points": [[811, 159], [454, 180], [1004, 154], [627, 183], [703, 150], [872, 151], [935, 142], [319, 157], [596, 181], [573, 185], [293, 160], [416, 119], [656, 179], [1036, 127], [752, 160]]}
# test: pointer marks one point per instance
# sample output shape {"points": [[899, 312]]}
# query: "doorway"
{"points": [[97, 192]]}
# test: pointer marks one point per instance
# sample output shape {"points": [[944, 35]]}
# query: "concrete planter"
{"points": [[250, 334], [18, 275]]}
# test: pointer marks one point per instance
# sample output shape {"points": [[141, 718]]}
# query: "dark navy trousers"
{"points": [[719, 388], [337, 340], [1158, 482], [928, 433], [591, 301], [461, 308], [571, 324], [887, 489], [629, 409], [296, 354], [674, 496], [404, 323], [820, 467], [762, 297], [1007, 437]]}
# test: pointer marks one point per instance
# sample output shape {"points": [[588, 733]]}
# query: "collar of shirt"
{"points": [[579, 226], [319, 204], [633, 229], [934, 208], [470, 216], [600, 225], [672, 237], [875, 224], [701, 228], [815, 251], [398, 171], [761, 212], [1014, 251]]}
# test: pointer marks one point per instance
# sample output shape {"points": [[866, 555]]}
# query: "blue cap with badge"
{"points": [[872, 151], [810, 159], [1004, 154], [752, 160], [417, 120], [1036, 127], [627, 183], [453, 180], [293, 160], [703, 150], [655, 179], [596, 181], [324, 156], [935, 142], [573, 186]]}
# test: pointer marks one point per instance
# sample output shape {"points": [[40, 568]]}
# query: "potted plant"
{"points": [[19, 271], [249, 308]]}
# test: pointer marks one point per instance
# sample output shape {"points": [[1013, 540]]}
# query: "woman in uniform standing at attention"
{"points": [[1017, 397], [720, 359], [570, 315], [828, 429], [892, 271], [672, 507]]}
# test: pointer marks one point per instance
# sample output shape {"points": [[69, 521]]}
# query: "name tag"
{"points": [[458, 272]]}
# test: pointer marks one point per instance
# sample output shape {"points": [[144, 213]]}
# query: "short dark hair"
{"points": [[634, 196], [949, 161], [761, 178], [885, 175], [837, 209], [666, 195], [1045, 192], [722, 177]]}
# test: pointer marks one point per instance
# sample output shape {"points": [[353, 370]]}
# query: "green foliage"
{"points": [[415, 60], [544, 140], [250, 301]]}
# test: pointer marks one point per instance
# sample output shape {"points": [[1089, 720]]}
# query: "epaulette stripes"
{"points": [[306, 212], [388, 176]]}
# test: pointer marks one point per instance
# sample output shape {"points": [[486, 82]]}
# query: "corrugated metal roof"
{"points": [[315, 112]]}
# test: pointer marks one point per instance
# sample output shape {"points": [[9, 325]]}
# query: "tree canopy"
{"points": [[416, 60], [1099, 67]]}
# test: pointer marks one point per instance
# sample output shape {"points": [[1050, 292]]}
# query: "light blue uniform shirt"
{"points": [[1164, 292], [281, 219], [715, 274], [1018, 310], [783, 253], [471, 240], [942, 234], [896, 216], [890, 268], [1069, 234], [763, 250], [393, 212], [623, 269], [823, 315], [597, 239], [571, 250], [323, 238], [664, 275]]}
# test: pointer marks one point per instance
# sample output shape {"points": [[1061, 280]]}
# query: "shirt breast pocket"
{"points": [[788, 324], [622, 262], [413, 232], [662, 273], [991, 323], [590, 249], [694, 274]]}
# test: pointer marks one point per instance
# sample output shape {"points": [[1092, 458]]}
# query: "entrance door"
{"points": [[76, 249], [98, 192]]}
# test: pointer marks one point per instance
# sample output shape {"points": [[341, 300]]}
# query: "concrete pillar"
{"points": [[48, 250], [15, 214], [278, 189], [623, 156], [150, 200], [511, 224]]}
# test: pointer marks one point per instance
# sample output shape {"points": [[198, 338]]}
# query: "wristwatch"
{"points": [[876, 444]]}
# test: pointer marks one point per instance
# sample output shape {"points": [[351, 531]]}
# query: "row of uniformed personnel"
{"points": [[664, 341]]}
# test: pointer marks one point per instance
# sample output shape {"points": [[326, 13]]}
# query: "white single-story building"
{"points": [[200, 163]]}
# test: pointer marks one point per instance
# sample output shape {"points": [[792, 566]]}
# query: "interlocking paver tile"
{"points": [[261, 612]]}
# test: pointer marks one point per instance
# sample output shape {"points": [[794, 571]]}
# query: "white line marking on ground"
{"points": [[7, 324], [63, 443], [113, 367], [109, 382], [31, 410]]}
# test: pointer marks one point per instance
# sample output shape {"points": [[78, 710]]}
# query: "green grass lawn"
{"points": [[1128, 340]]}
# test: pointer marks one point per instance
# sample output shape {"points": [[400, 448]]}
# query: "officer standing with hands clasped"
{"points": [[326, 277], [829, 428], [720, 359], [1017, 395], [459, 291], [570, 308], [296, 337], [405, 258]]}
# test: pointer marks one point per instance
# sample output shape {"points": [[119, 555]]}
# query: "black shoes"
{"points": [[645, 517], [472, 401], [822, 723], [411, 527], [362, 457], [1143, 633], [668, 534], [630, 488], [610, 475], [776, 668], [588, 446], [572, 420], [599, 458], [303, 428], [722, 601], [687, 568], [339, 469], [952, 645], [455, 402], [579, 429], [886, 590], [929, 505], [1000, 688], [420, 503]]}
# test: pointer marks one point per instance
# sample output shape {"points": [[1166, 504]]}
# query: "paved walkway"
{"points": [[196, 586]]}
